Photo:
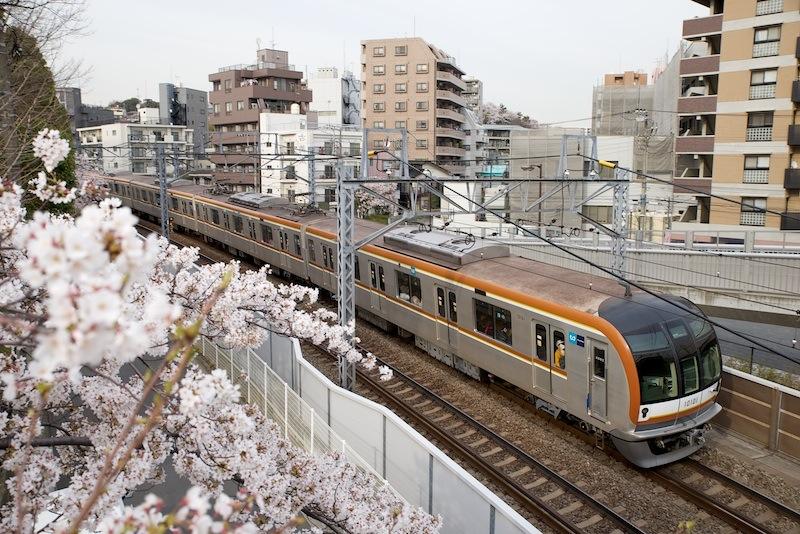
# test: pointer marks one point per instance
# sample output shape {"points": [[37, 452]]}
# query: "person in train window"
{"points": [[560, 355]]}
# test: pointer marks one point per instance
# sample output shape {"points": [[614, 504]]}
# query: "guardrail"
{"points": [[763, 411], [318, 415]]}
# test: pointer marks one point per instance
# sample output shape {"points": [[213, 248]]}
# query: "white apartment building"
{"points": [[335, 98], [286, 143], [149, 115], [131, 147]]}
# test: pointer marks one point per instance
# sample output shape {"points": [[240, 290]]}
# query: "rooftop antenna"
{"points": [[258, 43], [272, 42]]}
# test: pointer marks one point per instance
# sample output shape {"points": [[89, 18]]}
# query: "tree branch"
{"points": [[58, 441]]}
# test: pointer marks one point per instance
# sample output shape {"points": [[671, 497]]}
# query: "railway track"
{"points": [[742, 507], [542, 491]]}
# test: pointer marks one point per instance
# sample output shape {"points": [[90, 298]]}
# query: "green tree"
{"points": [[34, 106]]}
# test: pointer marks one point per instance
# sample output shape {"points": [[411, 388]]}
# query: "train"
{"points": [[626, 366]]}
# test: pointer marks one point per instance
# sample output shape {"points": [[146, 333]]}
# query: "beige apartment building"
{"points": [[737, 134], [409, 83]]}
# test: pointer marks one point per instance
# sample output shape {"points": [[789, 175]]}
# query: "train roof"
{"points": [[481, 258]]}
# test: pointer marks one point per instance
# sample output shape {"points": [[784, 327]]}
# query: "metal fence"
{"points": [[318, 415]]}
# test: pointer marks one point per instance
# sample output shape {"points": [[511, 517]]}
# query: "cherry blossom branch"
{"points": [[57, 441]]}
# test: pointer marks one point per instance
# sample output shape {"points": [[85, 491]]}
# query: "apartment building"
{"points": [[614, 101], [738, 135], [473, 94], [239, 94], [189, 107], [336, 97], [409, 83], [131, 147]]}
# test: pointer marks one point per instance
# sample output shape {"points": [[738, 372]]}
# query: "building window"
{"points": [[216, 108], [762, 83], [379, 70], [379, 51], [400, 87], [290, 148], [400, 68], [227, 85], [422, 105], [378, 144], [378, 88], [378, 124], [239, 105], [422, 87], [422, 68], [766, 41], [422, 125], [228, 107], [422, 143], [493, 321], [355, 149], [399, 124], [379, 107], [759, 125], [756, 169], [409, 288], [400, 106], [401, 50], [600, 214], [768, 7], [753, 211]]}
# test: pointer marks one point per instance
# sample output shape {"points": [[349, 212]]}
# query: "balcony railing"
{"points": [[761, 133], [752, 218], [762, 91], [256, 66], [451, 96], [768, 7], [702, 25], [755, 176], [766, 49]]}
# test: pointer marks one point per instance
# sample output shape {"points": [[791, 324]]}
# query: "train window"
{"points": [[453, 308], [298, 247], [710, 362], [409, 289], [440, 307], [325, 255], [226, 220], [599, 362], [174, 202], [559, 349], [690, 375], [372, 278], [658, 379], [493, 321], [158, 199], [330, 259], [483, 318], [266, 233], [312, 254], [284, 240], [381, 278], [541, 342], [238, 227], [502, 325], [358, 270]]}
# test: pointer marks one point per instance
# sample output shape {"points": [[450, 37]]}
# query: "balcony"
{"points": [[758, 92], [791, 179], [694, 144], [451, 132], [454, 169], [692, 185], [445, 113], [443, 76], [450, 151], [699, 65], [755, 176], [790, 220], [697, 104], [451, 96], [796, 91], [231, 117], [259, 91], [702, 26], [794, 135], [766, 49], [761, 133]]}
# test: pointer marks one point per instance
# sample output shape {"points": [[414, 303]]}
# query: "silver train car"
{"points": [[634, 369]]}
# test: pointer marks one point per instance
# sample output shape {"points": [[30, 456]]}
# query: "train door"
{"points": [[375, 298], [447, 314], [542, 364], [598, 382], [283, 238]]}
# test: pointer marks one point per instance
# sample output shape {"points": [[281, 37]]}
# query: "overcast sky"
{"points": [[541, 57]]}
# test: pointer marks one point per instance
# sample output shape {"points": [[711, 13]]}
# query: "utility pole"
{"points": [[161, 172], [643, 140], [619, 240], [345, 229], [175, 163]]}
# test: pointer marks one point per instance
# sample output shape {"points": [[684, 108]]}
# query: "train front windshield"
{"points": [[676, 353]]}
